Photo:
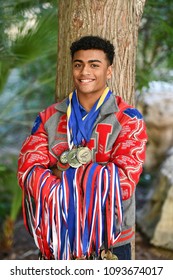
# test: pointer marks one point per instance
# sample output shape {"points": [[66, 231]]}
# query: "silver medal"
{"points": [[63, 157], [72, 158], [84, 155]]}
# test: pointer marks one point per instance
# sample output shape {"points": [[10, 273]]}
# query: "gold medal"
{"points": [[114, 257], [72, 158], [81, 258], [108, 255], [84, 155]]}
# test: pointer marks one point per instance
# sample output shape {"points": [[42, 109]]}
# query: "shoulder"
{"points": [[127, 111], [43, 116], [53, 109], [131, 121]]}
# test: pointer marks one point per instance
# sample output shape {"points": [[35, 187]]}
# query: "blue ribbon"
{"points": [[81, 128]]}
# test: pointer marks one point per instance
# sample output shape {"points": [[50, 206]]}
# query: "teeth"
{"points": [[86, 81]]}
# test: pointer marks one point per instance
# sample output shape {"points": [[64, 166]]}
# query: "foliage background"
{"points": [[28, 57]]}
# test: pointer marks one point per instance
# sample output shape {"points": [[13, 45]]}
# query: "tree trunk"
{"points": [[115, 20]]}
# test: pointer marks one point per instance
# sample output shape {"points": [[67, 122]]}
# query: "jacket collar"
{"points": [[110, 106], [62, 105]]}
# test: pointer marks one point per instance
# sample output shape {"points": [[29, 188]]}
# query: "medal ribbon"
{"points": [[69, 217], [79, 128]]}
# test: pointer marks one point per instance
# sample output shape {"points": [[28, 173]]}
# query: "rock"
{"points": [[156, 105], [155, 219], [163, 234]]}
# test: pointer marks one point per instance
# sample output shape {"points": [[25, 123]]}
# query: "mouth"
{"points": [[86, 81]]}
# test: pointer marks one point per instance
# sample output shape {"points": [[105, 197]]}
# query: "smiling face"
{"points": [[91, 70]]}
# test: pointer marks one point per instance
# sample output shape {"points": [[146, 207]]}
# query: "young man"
{"points": [[79, 167]]}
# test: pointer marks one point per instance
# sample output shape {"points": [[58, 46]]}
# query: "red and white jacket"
{"points": [[119, 136]]}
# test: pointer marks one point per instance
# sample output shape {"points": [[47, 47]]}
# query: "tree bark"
{"points": [[115, 20]]}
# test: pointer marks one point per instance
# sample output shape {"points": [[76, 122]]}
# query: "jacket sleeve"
{"points": [[129, 150], [38, 184], [34, 160]]}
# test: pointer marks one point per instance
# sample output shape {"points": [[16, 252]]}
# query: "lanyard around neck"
{"points": [[78, 128]]}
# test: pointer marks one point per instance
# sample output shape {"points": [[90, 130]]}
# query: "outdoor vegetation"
{"points": [[28, 58]]}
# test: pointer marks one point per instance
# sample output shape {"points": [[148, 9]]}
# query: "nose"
{"points": [[85, 70]]}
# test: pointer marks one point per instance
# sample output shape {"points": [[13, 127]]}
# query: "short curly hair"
{"points": [[94, 42]]}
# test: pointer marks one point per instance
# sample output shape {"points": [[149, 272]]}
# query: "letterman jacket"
{"points": [[118, 136]]}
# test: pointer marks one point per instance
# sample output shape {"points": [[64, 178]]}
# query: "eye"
{"points": [[77, 65], [93, 65]]}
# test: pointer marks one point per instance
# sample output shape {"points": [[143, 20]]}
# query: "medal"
{"points": [[108, 255], [84, 155], [72, 158], [63, 157], [61, 166], [81, 258]]}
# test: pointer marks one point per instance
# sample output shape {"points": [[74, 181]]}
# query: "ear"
{"points": [[109, 72]]}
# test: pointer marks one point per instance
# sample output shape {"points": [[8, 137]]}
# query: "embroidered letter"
{"points": [[62, 126], [103, 131]]}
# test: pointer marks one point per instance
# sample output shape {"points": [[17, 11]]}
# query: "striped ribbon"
{"points": [[69, 218]]}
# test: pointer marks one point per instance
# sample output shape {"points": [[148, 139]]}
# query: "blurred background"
{"points": [[28, 55]]}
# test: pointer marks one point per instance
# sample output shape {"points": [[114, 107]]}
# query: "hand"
{"points": [[56, 172]]}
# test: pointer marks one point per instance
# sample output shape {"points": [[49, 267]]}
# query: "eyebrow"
{"points": [[90, 61]]}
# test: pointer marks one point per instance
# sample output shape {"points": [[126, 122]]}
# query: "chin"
{"points": [[85, 90]]}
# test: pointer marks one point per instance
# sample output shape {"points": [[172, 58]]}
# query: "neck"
{"points": [[88, 100]]}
